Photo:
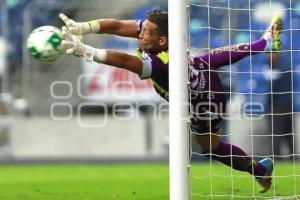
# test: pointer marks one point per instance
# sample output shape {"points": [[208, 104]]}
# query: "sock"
{"points": [[268, 35], [231, 54], [240, 160], [259, 170]]}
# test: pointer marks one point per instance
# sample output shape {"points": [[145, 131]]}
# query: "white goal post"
{"points": [[178, 90]]}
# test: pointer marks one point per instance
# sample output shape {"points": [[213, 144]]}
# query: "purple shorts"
{"points": [[207, 98]]}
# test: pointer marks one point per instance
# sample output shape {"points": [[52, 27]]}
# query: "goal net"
{"points": [[262, 93]]}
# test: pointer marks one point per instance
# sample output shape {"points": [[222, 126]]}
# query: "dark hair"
{"points": [[160, 18]]}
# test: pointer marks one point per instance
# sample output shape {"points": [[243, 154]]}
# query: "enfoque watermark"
{"points": [[130, 110]]}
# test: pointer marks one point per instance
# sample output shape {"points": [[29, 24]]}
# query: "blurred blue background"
{"points": [[222, 28], [273, 81]]}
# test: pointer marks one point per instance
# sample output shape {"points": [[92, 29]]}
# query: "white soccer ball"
{"points": [[44, 43]]}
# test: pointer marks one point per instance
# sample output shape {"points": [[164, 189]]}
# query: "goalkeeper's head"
{"points": [[154, 33]]}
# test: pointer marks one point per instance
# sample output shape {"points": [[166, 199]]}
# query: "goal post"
{"points": [[178, 90]]}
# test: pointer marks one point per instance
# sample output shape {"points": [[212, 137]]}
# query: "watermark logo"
{"points": [[208, 110]]}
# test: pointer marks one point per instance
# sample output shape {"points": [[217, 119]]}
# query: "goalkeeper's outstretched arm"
{"points": [[123, 60], [74, 46], [125, 28]]}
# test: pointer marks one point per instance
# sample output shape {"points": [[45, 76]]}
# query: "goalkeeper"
{"points": [[152, 62]]}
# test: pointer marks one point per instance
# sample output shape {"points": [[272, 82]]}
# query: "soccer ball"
{"points": [[44, 43]]}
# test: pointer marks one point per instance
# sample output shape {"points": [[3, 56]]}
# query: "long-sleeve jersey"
{"points": [[156, 67], [206, 93]]}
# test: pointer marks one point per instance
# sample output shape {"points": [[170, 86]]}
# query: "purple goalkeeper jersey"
{"points": [[203, 80], [207, 98], [156, 67]]}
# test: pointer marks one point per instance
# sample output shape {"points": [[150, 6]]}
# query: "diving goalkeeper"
{"points": [[152, 62]]}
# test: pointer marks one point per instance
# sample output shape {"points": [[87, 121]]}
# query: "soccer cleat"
{"points": [[266, 180], [272, 34]]}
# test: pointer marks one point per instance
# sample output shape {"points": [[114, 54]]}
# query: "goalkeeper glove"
{"points": [[80, 28], [74, 46]]}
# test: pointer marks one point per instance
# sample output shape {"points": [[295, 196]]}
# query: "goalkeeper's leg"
{"points": [[205, 123], [231, 54], [205, 128], [235, 157], [228, 154], [270, 41]]}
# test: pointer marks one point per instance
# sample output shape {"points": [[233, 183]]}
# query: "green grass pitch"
{"points": [[132, 181]]}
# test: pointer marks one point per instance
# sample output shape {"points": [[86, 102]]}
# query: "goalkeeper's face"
{"points": [[150, 38]]}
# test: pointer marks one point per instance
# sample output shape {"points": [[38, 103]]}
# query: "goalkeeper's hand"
{"points": [[73, 45], [80, 28]]}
